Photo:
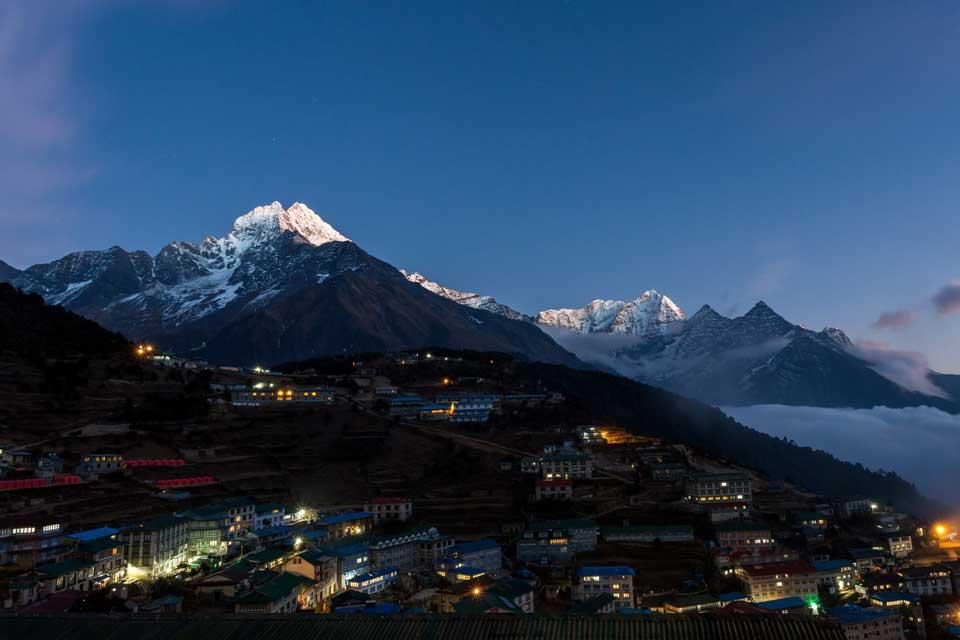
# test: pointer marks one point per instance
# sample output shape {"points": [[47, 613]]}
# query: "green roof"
{"points": [[742, 525], [593, 605], [265, 556], [57, 569], [275, 589], [98, 545]]}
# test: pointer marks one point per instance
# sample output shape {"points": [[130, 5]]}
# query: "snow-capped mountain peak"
{"points": [[651, 313], [272, 219]]}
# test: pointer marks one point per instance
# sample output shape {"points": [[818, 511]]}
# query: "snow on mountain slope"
{"points": [[467, 298], [650, 314]]}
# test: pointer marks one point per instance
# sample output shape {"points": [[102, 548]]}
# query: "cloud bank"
{"points": [[919, 443]]}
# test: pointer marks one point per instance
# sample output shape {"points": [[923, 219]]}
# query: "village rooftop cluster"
{"points": [[606, 522]]}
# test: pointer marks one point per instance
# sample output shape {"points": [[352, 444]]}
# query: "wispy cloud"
{"points": [[875, 437], [894, 320], [41, 117], [909, 369], [947, 299]]}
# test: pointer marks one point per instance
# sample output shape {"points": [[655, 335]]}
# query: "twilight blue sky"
{"points": [[545, 152]]}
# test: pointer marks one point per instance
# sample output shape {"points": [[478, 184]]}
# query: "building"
{"points": [[401, 550], [836, 576], [868, 623], [553, 490], [648, 533], [470, 409], [432, 551], [934, 580], [868, 560], [285, 593], [109, 566], [779, 580], [615, 580], [854, 507], [343, 525], [100, 463], [668, 471], [506, 595], [389, 508], [268, 515], [73, 574], [691, 603], [229, 580], [265, 396], [435, 412], [727, 487], [565, 466], [744, 535], [373, 581], [900, 544], [29, 542], [206, 531], [156, 547], [352, 560], [403, 406], [322, 568], [557, 541], [480, 554], [812, 519], [909, 606]]}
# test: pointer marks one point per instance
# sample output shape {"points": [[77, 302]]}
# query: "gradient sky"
{"points": [[806, 153]]}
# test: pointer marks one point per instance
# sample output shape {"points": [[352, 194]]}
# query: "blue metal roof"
{"points": [[893, 596], [621, 570], [851, 614], [470, 547], [345, 517], [832, 565], [376, 573], [783, 603], [733, 596], [94, 534]]}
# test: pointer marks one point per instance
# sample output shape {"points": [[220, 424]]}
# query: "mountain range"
{"points": [[757, 358], [282, 284]]}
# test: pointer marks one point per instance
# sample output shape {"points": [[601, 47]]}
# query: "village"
{"points": [[417, 484]]}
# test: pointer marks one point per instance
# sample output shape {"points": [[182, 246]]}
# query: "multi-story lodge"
{"points": [[389, 508], [779, 580], [553, 490], [31, 542], [900, 544], [155, 548], [616, 580], [564, 466], [648, 533], [868, 623], [744, 535], [401, 550], [484, 555], [726, 487], [343, 525], [281, 395], [934, 580], [557, 541]]}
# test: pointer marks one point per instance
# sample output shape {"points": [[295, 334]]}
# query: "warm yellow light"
{"points": [[149, 347], [476, 591], [940, 530]]}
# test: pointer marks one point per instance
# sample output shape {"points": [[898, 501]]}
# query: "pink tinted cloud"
{"points": [[947, 299], [895, 320]]}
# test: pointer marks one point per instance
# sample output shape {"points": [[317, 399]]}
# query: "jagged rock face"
{"points": [[762, 358], [650, 314], [243, 296]]}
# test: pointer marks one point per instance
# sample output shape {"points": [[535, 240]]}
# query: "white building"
{"points": [[389, 508], [727, 487], [615, 580]]}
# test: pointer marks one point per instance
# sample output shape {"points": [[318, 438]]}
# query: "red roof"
{"points": [[389, 500], [195, 481], [775, 568], [161, 462]]}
